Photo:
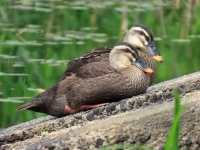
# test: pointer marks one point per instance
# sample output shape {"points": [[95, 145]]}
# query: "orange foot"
{"points": [[70, 110]]}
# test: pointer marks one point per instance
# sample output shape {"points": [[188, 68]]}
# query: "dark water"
{"points": [[39, 37]]}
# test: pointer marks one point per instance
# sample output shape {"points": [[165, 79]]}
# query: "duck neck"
{"points": [[148, 60]]}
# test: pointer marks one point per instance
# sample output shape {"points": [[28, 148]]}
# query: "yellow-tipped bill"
{"points": [[148, 71], [158, 58]]}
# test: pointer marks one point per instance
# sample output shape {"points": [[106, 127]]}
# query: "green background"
{"points": [[39, 37]]}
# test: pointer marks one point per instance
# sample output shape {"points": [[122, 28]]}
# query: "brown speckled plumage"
{"points": [[90, 65], [91, 80], [110, 87]]}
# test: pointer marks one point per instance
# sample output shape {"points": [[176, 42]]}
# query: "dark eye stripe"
{"points": [[131, 49], [146, 37], [133, 52], [147, 30]]}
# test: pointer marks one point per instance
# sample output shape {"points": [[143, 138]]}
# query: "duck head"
{"points": [[142, 38], [123, 56]]}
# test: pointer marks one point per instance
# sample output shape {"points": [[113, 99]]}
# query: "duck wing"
{"points": [[107, 88], [93, 64]]}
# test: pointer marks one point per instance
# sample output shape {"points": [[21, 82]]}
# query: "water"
{"points": [[39, 37]]}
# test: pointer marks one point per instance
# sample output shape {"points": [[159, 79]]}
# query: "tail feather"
{"points": [[29, 105], [39, 103]]}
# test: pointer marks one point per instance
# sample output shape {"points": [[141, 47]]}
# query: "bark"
{"points": [[141, 119]]}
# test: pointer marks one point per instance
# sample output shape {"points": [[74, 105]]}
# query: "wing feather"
{"points": [[89, 65]]}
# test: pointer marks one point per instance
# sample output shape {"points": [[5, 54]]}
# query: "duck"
{"points": [[93, 65], [126, 75], [140, 37]]}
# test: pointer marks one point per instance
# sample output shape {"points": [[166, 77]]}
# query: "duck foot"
{"points": [[70, 110]]}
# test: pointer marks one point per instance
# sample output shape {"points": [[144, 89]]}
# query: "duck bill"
{"points": [[158, 58], [142, 66], [148, 71], [153, 52]]}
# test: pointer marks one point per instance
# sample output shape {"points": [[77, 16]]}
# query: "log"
{"points": [[141, 119]]}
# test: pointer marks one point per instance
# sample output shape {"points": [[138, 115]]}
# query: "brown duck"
{"points": [[129, 76], [90, 65], [126, 75]]}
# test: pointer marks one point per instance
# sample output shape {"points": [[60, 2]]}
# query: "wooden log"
{"points": [[53, 131], [143, 126]]}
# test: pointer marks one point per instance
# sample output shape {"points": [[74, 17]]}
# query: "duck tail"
{"points": [[29, 105]]}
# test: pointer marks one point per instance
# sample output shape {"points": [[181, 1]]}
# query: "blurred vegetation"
{"points": [[39, 37]]}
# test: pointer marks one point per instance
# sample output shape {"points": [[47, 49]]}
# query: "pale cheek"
{"points": [[137, 42], [145, 43], [124, 62]]}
